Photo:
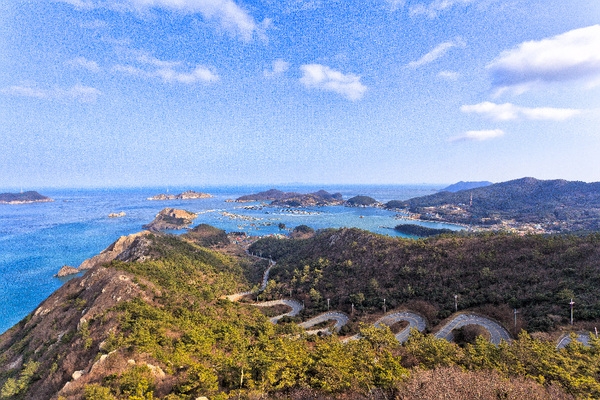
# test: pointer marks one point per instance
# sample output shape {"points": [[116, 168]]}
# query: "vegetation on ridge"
{"points": [[167, 333]]}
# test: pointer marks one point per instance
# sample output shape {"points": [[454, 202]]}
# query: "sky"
{"points": [[101, 93]]}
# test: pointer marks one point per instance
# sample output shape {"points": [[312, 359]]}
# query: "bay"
{"points": [[37, 239]]}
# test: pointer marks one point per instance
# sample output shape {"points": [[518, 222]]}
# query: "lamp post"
{"points": [[515, 312], [571, 304], [455, 303], [384, 306], [327, 304]]}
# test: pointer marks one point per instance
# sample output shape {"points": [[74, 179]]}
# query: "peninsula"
{"points": [[171, 218], [526, 205], [23, 198]]}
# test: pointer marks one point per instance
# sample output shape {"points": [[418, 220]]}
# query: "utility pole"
{"points": [[352, 313], [571, 303], [515, 312], [455, 303], [327, 304], [384, 306]]}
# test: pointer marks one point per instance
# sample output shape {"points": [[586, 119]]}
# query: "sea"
{"points": [[37, 239]]}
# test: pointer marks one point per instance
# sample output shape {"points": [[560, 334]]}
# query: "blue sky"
{"points": [[194, 92]]}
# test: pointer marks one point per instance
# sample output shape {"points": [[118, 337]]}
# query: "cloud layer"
{"points": [[324, 78], [508, 112], [433, 9], [478, 135], [438, 51], [83, 94], [279, 67], [568, 56], [169, 71], [229, 15]]}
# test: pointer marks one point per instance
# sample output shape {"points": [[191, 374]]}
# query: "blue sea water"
{"points": [[37, 239]]}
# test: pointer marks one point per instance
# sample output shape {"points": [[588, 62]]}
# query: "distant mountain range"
{"points": [[23, 198], [554, 205]]}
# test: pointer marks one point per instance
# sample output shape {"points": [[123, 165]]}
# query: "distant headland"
{"points": [[23, 198], [187, 195]]}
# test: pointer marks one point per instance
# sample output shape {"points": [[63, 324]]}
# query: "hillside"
{"points": [[23, 198], [554, 205], [496, 272], [162, 329], [458, 186]]}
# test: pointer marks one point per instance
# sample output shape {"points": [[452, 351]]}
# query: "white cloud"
{"points": [[433, 9], [322, 77], [169, 71], [279, 67], [84, 94], [229, 14], [450, 75], [439, 51], [478, 135], [82, 62], [508, 112], [574, 55]]}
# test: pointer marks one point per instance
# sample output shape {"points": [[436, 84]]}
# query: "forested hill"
{"points": [[557, 205], [155, 324], [24, 197], [495, 271]]}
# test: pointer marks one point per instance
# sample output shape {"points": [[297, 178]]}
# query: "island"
{"points": [[171, 218], [23, 198], [419, 230], [187, 195], [361, 201], [294, 199], [117, 215]]}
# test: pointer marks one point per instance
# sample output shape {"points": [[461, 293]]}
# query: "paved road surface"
{"points": [[581, 337], [294, 304], [497, 332], [414, 321], [341, 319]]}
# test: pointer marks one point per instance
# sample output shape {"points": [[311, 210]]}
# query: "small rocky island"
{"points": [[187, 195], [23, 198], [171, 218]]}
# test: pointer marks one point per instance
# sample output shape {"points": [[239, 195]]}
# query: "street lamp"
{"points": [[384, 306], [515, 312], [571, 303], [455, 303]]}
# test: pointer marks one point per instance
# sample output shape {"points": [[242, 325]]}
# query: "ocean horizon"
{"points": [[37, 239]]}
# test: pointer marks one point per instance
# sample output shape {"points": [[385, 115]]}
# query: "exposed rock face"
{"points": [[117, 215], [171, 218], [23, 198], [66, 270], [122, 245], [61, 328], [187, 195]]}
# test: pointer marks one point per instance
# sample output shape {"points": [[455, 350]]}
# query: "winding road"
{"points": [[497, 332], [414, 321]]}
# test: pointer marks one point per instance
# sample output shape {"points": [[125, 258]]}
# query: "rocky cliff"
{"points": [[171, 218]]}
